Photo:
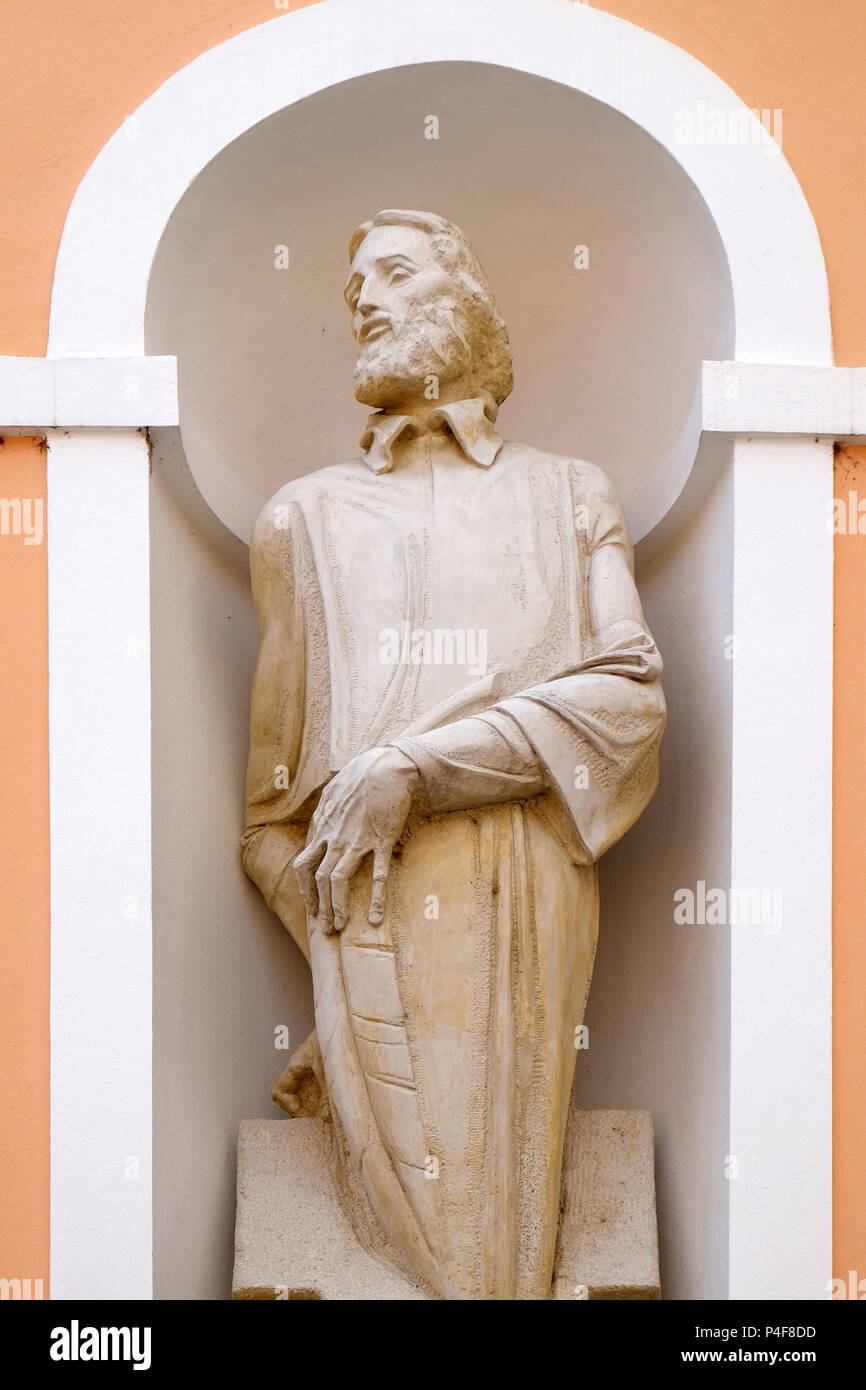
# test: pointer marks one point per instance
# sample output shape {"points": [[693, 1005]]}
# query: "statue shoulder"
{"points": [[274, 523], [593, 483], [586, 478]]}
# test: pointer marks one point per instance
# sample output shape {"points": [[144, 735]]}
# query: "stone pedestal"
{"points": [[608, 1238], [292, 1240]]}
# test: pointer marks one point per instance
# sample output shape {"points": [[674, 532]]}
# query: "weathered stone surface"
{"points": [[293, 1240], [608, 1238]]}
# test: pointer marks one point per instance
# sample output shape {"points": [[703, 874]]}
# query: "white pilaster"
{"points": [[99, 733], [781, 987]]}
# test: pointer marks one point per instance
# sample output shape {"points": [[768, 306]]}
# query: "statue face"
{"points": [[407, 321]]}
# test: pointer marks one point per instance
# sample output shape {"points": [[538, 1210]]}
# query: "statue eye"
{"points": [[398, 275]]}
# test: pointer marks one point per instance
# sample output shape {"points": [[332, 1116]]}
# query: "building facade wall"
{"points": [[83, 70]]}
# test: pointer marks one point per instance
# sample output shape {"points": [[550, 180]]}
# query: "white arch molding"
{"points": [[780, 1211]]}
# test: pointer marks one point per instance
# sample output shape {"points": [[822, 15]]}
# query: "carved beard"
{"points": [[430, 341]]}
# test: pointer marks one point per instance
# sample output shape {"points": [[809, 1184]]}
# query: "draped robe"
{"points": [[448, 1032]]}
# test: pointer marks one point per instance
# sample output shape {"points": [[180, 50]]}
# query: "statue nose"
{"points": [[369, 300]]}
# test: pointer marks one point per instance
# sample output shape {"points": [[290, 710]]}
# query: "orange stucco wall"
{"points": [[23, 877], [79, 71]]}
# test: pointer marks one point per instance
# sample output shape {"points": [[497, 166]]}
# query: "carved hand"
{"points": [[361, 811]]}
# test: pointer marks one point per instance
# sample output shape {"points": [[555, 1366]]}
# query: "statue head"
{"points": [[422, 310]]}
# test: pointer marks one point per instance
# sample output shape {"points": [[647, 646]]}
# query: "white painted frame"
{"points": [[99, 742], [781, 829]]}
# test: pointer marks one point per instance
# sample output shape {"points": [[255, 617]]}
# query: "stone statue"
{"points": [[456, 710]]}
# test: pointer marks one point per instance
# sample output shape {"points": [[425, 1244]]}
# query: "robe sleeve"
{"points": [[271, 840], [590, 733], [473, 762]]}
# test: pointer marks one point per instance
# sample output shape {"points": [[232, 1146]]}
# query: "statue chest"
{"points": [[443, 575]]}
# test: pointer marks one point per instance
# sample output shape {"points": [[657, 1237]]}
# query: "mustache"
{"points": [[440, 318]]}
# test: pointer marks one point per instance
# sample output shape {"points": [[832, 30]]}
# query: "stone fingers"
{"points": [[341, 877], [305, 871], [381, 862], [324, 877]]}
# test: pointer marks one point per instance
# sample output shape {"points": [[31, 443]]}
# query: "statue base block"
{"points": [[293, 1241], [608, 1236]]}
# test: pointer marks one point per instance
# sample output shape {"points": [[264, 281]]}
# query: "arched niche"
{"points": [[607, 364]]}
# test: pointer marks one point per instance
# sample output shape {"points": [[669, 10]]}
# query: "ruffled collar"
{"points": [[471, 423]]}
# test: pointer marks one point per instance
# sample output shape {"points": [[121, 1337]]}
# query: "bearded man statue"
{"points": [[456, 710]]}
